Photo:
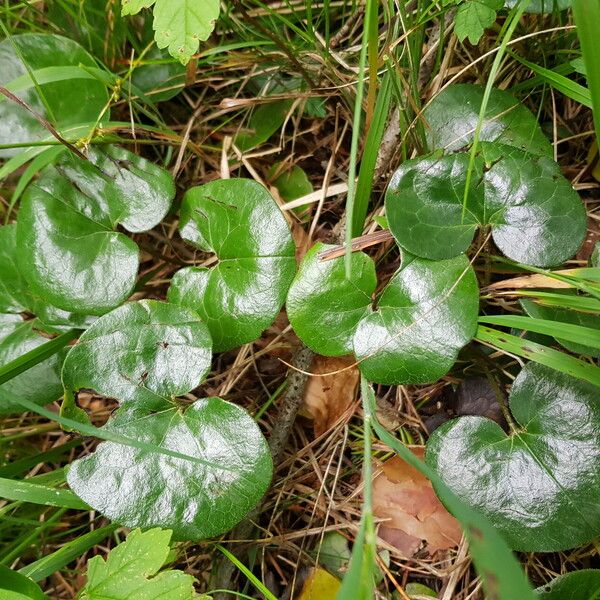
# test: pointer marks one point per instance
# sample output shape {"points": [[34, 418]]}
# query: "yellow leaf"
{"points": [[320, 585]]}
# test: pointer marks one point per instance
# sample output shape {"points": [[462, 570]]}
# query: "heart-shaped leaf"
{"points": [[241, 295], [578, 585], [64, 103], [324, 307], [535, 215], [424, 316], [41, 383], [451, 119], [147, 352], [70, 252], [565, 315], [539, 484], [227, 471]]}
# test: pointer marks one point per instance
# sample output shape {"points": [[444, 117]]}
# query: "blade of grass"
{"points": [[587, 17], [565, 331], [539, 353], [359, 581], [23, 491], [579, 303], [259, 585], [37, 355], [502, 576]]}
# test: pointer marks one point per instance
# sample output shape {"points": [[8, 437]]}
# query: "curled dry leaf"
{"points": [[328, 398], [412, 512]]}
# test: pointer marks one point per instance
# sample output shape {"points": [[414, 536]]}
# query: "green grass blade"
{"points": [[257, 583], [369, 157], [24, 464], [539, 353], [45, 566], [23, 491], [587, 19], [37, 355], [565, 331], [579, 303], [498, 568]]}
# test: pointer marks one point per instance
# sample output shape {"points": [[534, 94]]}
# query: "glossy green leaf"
{"points": [[473, 17], [541, 6], [159, 77], [539, 484], [535, 215], [179, 25], [69, 249], [131, 571], [263, 123], [147, 352], [14, 586], [424, 316], [63, 104], [324, 307], [195, 498], [451, 119], [290, 184], [564, 315], [578, 585], [241, 295], [39, 384]]}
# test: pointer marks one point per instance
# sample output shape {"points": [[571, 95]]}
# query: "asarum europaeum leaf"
{"points": [[535, 215], [424, 316], [64, 102], [539, 484], [41, 383], [226, 470], [577, 585], [241, 295], [195, 468], [69, 250], [451, 119], [146, 352]]}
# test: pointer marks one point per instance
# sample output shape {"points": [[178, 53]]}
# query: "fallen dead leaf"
{"points": [[413, 514], [534, 281], [327, 398]]}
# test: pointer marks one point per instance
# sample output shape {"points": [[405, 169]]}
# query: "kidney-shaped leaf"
{"points": [[147, 352], [424, 316], [226, 472], [578, 585], [535, 215], [324, 307], [451, 119], [80, 98], [539, 484], [241, 295], [70, 251]]}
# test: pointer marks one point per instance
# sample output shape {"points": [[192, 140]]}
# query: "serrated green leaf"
{"points": [[451, 119], [141, 488], [536, 216], [578, 585], [425, 315], [146, 352], [324, 307], [130, 572], [473, 17], [564, 315], [132, 7], [70, 252], [240, 297], [539, 484], [63, 104], [179, 25]]}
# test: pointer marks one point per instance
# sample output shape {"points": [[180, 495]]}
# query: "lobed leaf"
{"points": [[538, 484], [241, 295]]}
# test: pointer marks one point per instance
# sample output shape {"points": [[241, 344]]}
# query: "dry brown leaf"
{"points": [[533, 281], [412, 512], [328, 398]]}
